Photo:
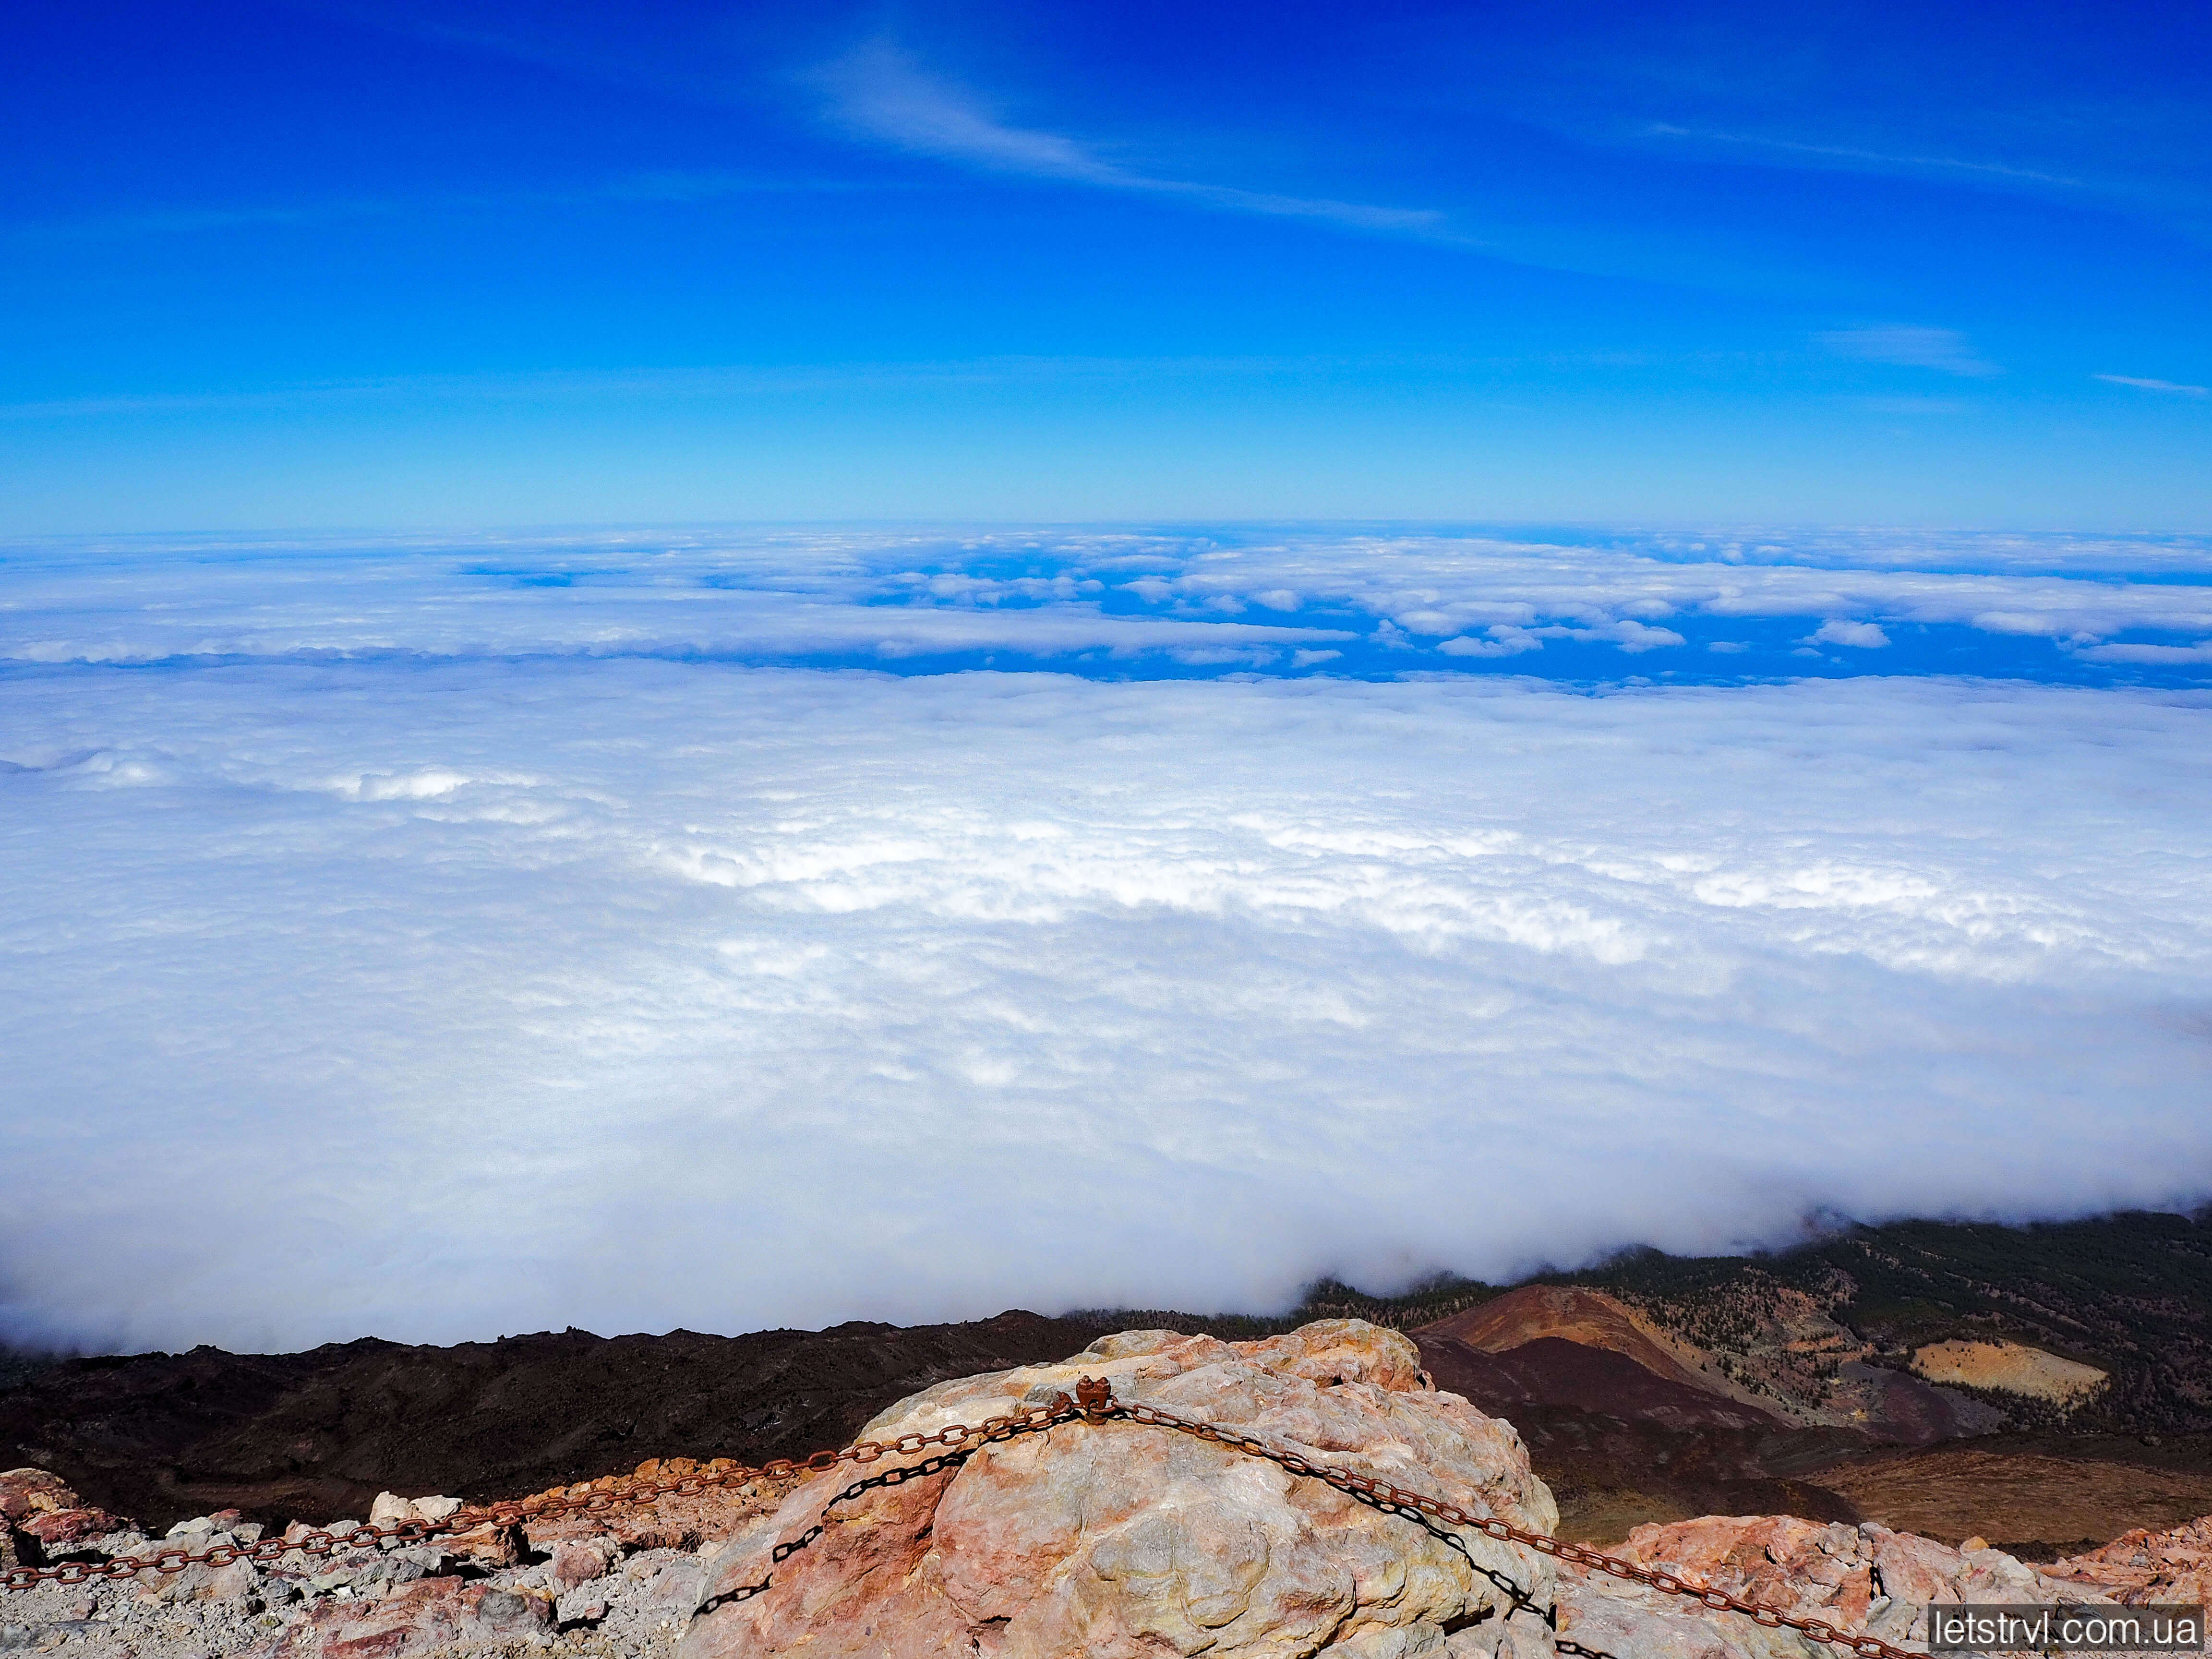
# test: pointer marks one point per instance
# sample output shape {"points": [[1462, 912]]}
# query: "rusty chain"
{"points": [[791, 1546], [1094, 1403], [591, 1498], [1097, 1401]]}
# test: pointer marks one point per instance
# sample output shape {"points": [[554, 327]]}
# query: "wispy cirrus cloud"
{"points": [[1943, 350], [881, 93], [1854, 158], [2144, 383]]}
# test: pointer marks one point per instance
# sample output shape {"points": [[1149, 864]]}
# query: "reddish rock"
{"points": [[57, 1529], [487, 1545], [581, 1561], [417, 1618], [2142, 1567], [671, 1522], [38, 1508], [1863, 1578], [1124, 1541], [25, 1493]]}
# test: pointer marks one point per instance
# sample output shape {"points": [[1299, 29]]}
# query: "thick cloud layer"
{"points": [[441, 990]]}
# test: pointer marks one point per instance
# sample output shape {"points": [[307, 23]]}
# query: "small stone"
{"points": [[579, 1563], [1977, 1542], [233, 1583], [488, 1545]]}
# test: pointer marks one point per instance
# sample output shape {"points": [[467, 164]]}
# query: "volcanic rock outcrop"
{"points": [[1121, 1540], [1863, 1578]]}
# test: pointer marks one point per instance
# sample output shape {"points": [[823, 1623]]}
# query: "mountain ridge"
{"points": [[1738, 1392]]}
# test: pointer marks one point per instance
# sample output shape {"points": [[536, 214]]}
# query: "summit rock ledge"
{"points": [[1125, 1541]]}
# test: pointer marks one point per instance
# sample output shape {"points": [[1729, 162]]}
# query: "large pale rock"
{"points": [[1863, 1578], [390, 1508], [1120, 1541]]}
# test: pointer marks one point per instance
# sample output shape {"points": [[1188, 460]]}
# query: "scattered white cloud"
{"points": [[504, 994], [1942, 349], [2146, 385], [2161, 656], [880, 92], [1500, 642], [1633, 636], [1866, 636], [1452, 587], [1123, 597], [764, 597]]}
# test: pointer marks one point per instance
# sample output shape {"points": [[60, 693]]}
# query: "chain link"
{"points": [[593, 1497], [1366, 1487], [1094, 1403]]}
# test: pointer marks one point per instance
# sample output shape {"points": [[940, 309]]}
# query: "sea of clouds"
{"points": [[441, 939]]}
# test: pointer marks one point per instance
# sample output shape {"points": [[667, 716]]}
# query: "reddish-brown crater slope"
{"points": [[1590, 1319]]}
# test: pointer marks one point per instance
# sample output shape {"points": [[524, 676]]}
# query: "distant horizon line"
{"points": [[1818, 1230], [1151, 522]]}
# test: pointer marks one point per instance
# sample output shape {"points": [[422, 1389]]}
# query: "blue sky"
{"points": [[463, 264]]}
